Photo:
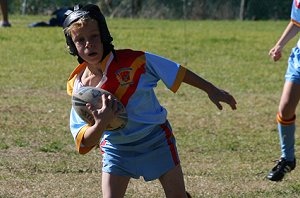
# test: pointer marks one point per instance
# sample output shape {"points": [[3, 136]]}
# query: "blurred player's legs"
{"points": [[4, 11]]}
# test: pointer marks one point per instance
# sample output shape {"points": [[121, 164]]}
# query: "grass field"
{"points": [[223, 153]]}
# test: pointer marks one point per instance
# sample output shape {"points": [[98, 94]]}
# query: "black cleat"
{"points": [[282, 167], [188, 194]]}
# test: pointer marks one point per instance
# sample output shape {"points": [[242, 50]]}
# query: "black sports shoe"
{"points": [[282, 167], [188, 194]]}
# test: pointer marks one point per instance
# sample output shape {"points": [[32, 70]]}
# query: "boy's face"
{"points": [[88, 42]]}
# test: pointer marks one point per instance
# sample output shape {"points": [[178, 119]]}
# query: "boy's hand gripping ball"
{"points": [[93, 95]]}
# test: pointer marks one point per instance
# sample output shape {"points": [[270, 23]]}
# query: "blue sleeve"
{"points": [[295, 13], [76, 123], [162, 68]]}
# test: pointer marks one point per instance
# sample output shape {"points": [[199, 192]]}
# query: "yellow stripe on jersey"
{"points": [[137, 63], [179, 78], [295, 22], [70, 85], [79, 138], [71, 79], [103, 64]]}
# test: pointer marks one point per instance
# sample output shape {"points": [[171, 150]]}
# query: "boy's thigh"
{"points": [[173, 182], [114, 185]]}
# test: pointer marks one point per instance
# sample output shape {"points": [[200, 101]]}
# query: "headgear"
{"points": [[93, 12]]}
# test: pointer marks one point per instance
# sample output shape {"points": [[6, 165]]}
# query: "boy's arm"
{"points": [[103, 117], [215, 94], [290, 32]]}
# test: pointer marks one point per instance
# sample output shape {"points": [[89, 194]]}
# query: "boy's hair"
{"points": [[78, 24], [83, 13]]}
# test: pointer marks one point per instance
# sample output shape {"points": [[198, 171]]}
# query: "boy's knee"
{"points": [[285, 119]]}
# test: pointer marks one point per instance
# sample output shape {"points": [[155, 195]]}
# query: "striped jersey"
{"points": [[131, 76]]}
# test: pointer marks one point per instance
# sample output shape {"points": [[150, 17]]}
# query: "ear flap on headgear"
{"points": [[69, 18]]}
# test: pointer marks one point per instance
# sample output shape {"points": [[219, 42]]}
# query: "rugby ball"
{"points": [[93, 96]]}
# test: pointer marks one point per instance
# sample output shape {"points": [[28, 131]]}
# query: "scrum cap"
{"points": [[93, 12]]}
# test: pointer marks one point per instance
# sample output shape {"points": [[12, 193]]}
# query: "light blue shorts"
{"points": [[150, 157], [293, 71]]}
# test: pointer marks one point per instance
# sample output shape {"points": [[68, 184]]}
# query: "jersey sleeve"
{"points": [[170, 72], [295, 13], [78, 128]]}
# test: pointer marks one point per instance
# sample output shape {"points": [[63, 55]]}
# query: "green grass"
{"points": [[223, 153]]}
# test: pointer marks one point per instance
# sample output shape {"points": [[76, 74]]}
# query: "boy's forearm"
{"points": [[196, 81], [92, 135], [289, 33]]}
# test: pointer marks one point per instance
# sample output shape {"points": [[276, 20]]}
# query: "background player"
{"points": [[290, 97]]}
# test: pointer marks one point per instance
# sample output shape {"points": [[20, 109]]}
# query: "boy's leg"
{"points": [[173, 183], [114, 186], [286, 119], [286, 128]]}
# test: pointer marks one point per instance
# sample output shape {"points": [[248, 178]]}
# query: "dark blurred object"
{"points": [[4, 11], [57, 20]]}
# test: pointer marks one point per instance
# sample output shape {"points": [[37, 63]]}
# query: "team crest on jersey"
{"points": [[123, 75], [297, 4]]}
